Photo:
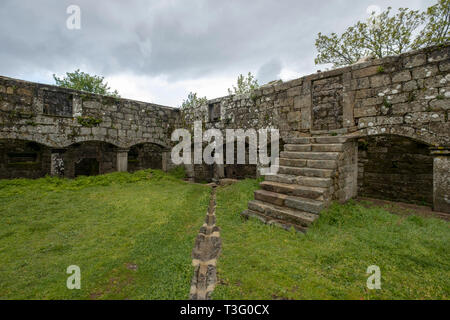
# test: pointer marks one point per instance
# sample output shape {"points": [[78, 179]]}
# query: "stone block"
{"points": [[401, 76], [415, 60], [380, 80]]}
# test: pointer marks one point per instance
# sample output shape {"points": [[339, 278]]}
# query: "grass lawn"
{"points": [[331, 260], [131, 234]]}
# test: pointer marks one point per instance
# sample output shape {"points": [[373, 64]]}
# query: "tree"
{"points": [[82, 81], [244, 84], [385, 34], [193, 101], [436, 30]]}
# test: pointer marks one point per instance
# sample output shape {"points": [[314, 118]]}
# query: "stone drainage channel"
{"points": [[205, 253]]}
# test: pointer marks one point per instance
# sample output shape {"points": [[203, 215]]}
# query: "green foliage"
{"points": [[178, 172], [380, 69], [436, 30], [331, 260], [89, 121], [193, 101], [244, 84], [386, 103], [85, 82], [385, 34]]}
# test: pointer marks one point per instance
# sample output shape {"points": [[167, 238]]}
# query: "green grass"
{"points": [[104, 225], [149, 219], [331, 260]]}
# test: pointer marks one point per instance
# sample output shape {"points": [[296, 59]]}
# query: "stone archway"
{"points": [[397, 168], [145, 156], [89, 158]]}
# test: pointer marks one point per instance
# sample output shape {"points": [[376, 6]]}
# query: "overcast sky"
{"points": [[159, 51]]}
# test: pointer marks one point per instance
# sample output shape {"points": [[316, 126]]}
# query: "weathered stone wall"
{"points": [[405, 95], [59, 117], [63, 120], [327, 101]]}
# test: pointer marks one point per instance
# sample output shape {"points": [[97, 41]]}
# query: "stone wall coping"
{"points": [[331, 73], [54, 88]]}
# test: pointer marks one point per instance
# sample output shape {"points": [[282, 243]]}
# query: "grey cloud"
{"points": [[269, 71], [178, 39]]}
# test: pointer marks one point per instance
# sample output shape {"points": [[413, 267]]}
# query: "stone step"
{"points": [[293, 202], [285, 162], [322, 164], [294, 190], [275, 222], [282, 178], [307, 172], [316, 164], [327, 147], [310, 155], [315, 182], [300, 180], [299, 140], [329, 139], [270, 197], [283, 213], [317, 140], [303, 204], [297, 147]]}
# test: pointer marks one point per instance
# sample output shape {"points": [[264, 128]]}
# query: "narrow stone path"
{"points": [[205, 253]]}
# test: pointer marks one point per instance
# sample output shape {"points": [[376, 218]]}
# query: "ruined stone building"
{"points": [[379, 129]]}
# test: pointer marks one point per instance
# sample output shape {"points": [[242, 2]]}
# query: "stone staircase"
{"points": [[305, 183]]}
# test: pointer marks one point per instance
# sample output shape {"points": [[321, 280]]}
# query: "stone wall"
{"points": [[406, 95], [59, 117], [62, 119]]}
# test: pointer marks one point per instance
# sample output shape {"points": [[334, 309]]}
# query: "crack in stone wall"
{"points": [[205, 253]]}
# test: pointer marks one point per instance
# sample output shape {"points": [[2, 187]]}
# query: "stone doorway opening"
{"points": [[395, 168], [90, 158], [23, 159], [145, 156], [87, 167]]}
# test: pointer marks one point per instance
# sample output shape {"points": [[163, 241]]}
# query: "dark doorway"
{"points": [[395, 168], [87, 167], [145, 156]]}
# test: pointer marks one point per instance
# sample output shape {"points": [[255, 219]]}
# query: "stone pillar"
{"points": [[57, 163], [441, 180], [347, 180], [166, 160], [122, 160]]}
